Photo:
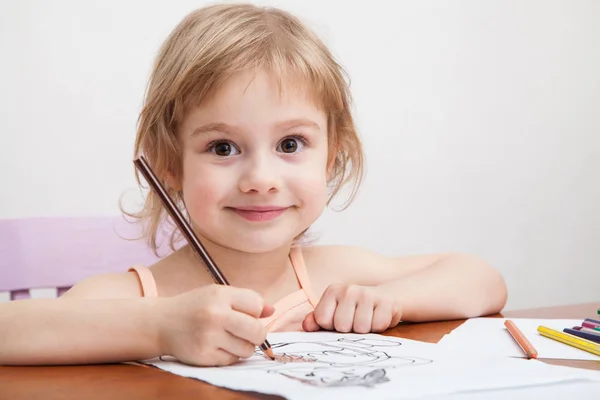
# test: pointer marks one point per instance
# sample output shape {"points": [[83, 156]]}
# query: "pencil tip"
{"points": [[269, 352]]}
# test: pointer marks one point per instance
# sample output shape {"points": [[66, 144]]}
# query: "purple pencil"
{"points": [[583, 335]]}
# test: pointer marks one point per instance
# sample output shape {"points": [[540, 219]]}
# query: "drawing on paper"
{"points": [[333, 363]]}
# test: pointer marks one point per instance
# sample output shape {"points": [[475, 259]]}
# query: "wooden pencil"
{"points": [[592, 337], [521, 340], [193, 240], [570, 340]]}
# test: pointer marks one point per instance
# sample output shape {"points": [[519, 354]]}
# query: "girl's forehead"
{"points": [[257, 97], [266, 86]]}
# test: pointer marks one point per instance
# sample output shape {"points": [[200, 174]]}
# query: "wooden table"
{"points": [[119, 381]]}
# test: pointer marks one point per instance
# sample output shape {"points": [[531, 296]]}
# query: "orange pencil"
{"points": [[516, 333]]}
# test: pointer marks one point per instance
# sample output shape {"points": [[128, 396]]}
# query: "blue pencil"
{"points": [[583, 335]]}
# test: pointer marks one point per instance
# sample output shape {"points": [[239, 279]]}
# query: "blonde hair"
{"points": [[213, 43]]}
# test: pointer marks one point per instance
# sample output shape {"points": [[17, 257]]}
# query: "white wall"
{"points": [[480, 119]]}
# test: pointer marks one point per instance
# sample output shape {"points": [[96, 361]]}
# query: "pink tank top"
{"points": [[289, 311]]}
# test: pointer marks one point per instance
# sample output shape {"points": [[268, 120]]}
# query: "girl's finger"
{"points": [[309, 324], [235, 346], [249, 302], [223, 357], [382, 316], [363, 316], [325, 310], [267, 311], [396, 316], [245, 327], [344, 315]]}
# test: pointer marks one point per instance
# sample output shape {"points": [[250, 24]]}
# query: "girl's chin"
{"points": [[256, 248], [250, 240], [257, 243]]}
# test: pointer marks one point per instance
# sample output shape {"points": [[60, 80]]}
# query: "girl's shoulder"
{"points": [[107, 286], [178, 273], [167, 277]]}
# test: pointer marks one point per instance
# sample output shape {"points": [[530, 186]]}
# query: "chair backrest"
{"points": [[58, 252]]}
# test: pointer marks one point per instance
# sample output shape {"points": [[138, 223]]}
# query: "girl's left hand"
{"points": [[353, 308]]}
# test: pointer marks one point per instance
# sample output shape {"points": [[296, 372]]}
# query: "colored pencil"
{"points": [[142, 165], [570, 340], [521, 340], [595, 331], [593, 321], [590, 325], [588, 336]]}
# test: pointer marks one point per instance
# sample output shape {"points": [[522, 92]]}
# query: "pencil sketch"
{"points": [[334, 363]]}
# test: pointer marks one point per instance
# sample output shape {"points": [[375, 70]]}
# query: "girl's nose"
{"points": [[260, 176]]}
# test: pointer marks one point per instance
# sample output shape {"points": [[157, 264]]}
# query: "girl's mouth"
{"points": [[259, 214]]}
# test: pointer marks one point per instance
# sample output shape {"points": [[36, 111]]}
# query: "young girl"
{"points": [[247, 122]]}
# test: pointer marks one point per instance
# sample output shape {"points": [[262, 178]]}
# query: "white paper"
{"points": [[489, 336], [351, 366], [563, 390]]}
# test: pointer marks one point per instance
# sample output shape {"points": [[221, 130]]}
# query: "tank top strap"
{"points": [[146, 279], [297, 261]]}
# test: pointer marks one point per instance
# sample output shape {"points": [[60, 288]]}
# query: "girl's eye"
{"points": [[291, 144], [223, 149]]}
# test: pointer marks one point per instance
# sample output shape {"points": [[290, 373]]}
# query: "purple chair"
{"points": [[59, 252]]}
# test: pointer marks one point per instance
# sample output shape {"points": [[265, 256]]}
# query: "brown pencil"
{"points": [[142, 165]]}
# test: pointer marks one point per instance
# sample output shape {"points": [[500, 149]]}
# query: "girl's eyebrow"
{"points": [[225, 128], [295, 123], [211, 127]]}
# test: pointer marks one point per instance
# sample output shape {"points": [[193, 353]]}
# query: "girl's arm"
{"points": [[100, 321], [81, 328], [424, 287], [77, 331], [453, 287]]}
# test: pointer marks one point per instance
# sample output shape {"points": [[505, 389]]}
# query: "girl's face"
{"points": [[254, 164]]}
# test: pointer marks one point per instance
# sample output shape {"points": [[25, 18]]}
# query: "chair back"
{"points": [[58, 252]]}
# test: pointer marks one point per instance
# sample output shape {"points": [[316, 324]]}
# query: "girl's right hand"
{"points": [[213, 325]]}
